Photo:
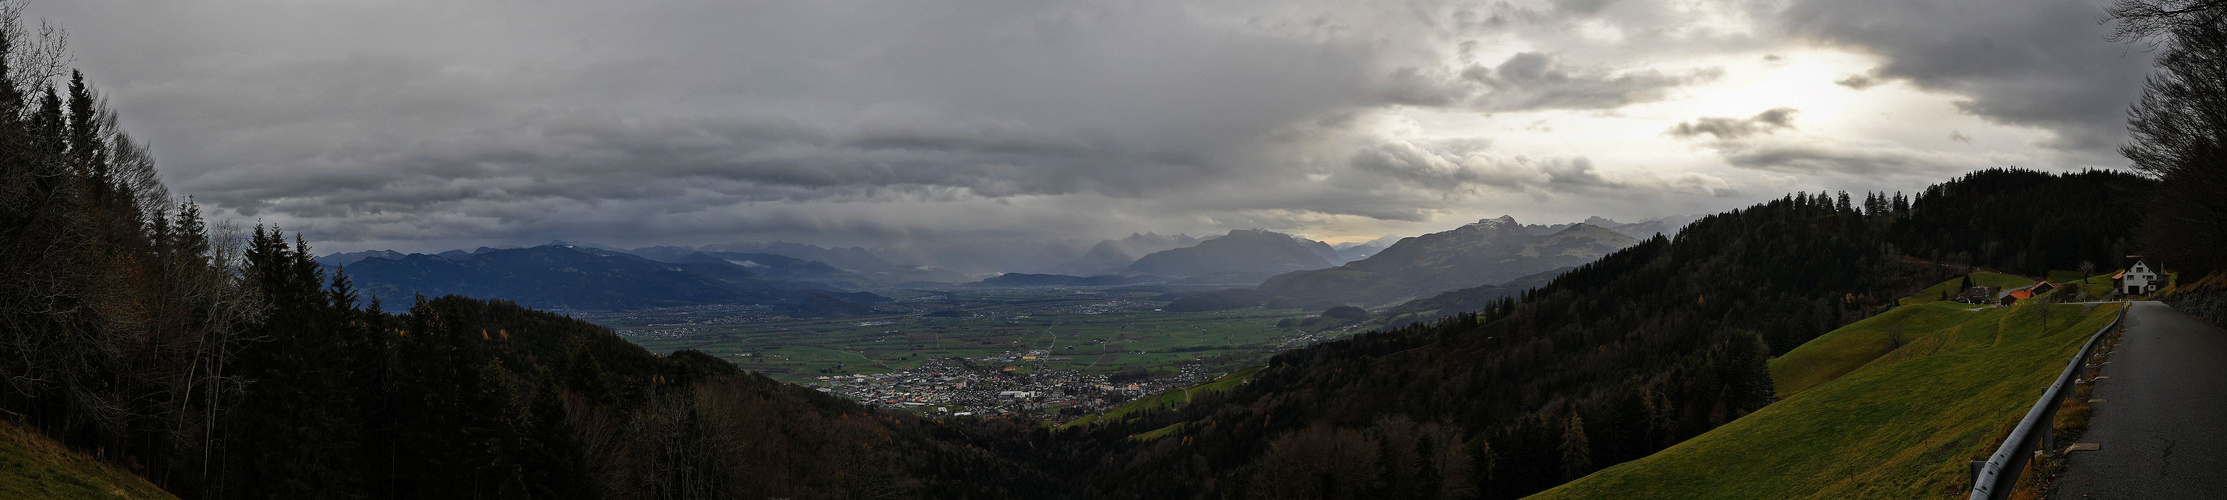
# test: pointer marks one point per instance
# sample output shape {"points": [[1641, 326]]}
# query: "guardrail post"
{"points": [[2049, 436], [1975, 474]]}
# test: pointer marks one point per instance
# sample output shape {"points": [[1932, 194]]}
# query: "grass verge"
{"points": [[1904, 425]]}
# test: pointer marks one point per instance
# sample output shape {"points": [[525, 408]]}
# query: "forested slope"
{"points": [[465, 398], [1619, 358]]}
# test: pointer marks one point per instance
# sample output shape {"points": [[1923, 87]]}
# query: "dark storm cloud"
{"points": [[859, 121], [1582, 6], [1843, 159], [1457, 168], [2039, 63], [1471, 166], [1534, 81], [587, 157], [680, 107], [1768, 121], [1859, 81]]}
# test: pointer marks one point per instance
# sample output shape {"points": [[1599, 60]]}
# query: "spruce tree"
{"points": [[298, 419], [1577, 451]]}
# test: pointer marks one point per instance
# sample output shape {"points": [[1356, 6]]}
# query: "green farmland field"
{"points": [[1091, 331]]}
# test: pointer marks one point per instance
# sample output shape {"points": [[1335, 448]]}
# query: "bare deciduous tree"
{"points": [[2179, 128]]}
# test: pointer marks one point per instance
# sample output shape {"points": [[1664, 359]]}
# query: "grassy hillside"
{"points": [[2094, 286], [1902, 426], [1851, 347], [32, 466]]}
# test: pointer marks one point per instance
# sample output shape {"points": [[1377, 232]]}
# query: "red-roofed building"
{"points": [[2027, 292]]}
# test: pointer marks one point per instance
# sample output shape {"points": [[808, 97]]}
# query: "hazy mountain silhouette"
{"points": [[1113, 255], [574, 277], [1241, 251], [1490, 251]]}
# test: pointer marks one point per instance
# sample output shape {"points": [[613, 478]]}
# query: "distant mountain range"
{"points": [[342, 259], [1110, 256], [1666, 225], [1240, 251], [1349, 252], [585, 278], [1488, 252], [1241, 258], [1648, 228], [858, 266]]}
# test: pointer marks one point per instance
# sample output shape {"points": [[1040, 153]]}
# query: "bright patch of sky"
{"points": [[428, 125]]}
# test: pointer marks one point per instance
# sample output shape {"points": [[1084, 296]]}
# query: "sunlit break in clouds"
{"points": [[424, 125]]}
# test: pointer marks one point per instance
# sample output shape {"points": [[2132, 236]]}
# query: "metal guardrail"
{"points": [[1994, 478]]}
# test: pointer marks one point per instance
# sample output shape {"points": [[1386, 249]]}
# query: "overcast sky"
{"points": [[431, 124]]}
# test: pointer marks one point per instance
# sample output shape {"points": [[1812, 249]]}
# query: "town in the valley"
{"points": [[995, 386]]}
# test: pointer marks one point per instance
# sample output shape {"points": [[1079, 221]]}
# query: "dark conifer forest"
{"points": [[221, 362]]}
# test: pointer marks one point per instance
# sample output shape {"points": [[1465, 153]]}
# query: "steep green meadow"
{"points": [[1851, 347], [33, 466], [1902, 425]]}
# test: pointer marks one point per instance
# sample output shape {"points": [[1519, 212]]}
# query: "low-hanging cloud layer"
{"points": [[423, 125]]}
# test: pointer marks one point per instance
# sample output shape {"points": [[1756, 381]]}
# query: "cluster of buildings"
{"points": [[2138, 279], [681, 322], [1307, 339], [1107, 307], [961, 387]]}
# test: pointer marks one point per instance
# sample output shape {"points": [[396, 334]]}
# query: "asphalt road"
{"points": [[2163, 424]]}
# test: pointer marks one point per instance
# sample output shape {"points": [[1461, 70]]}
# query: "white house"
{"points": [[2138, 279]]}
